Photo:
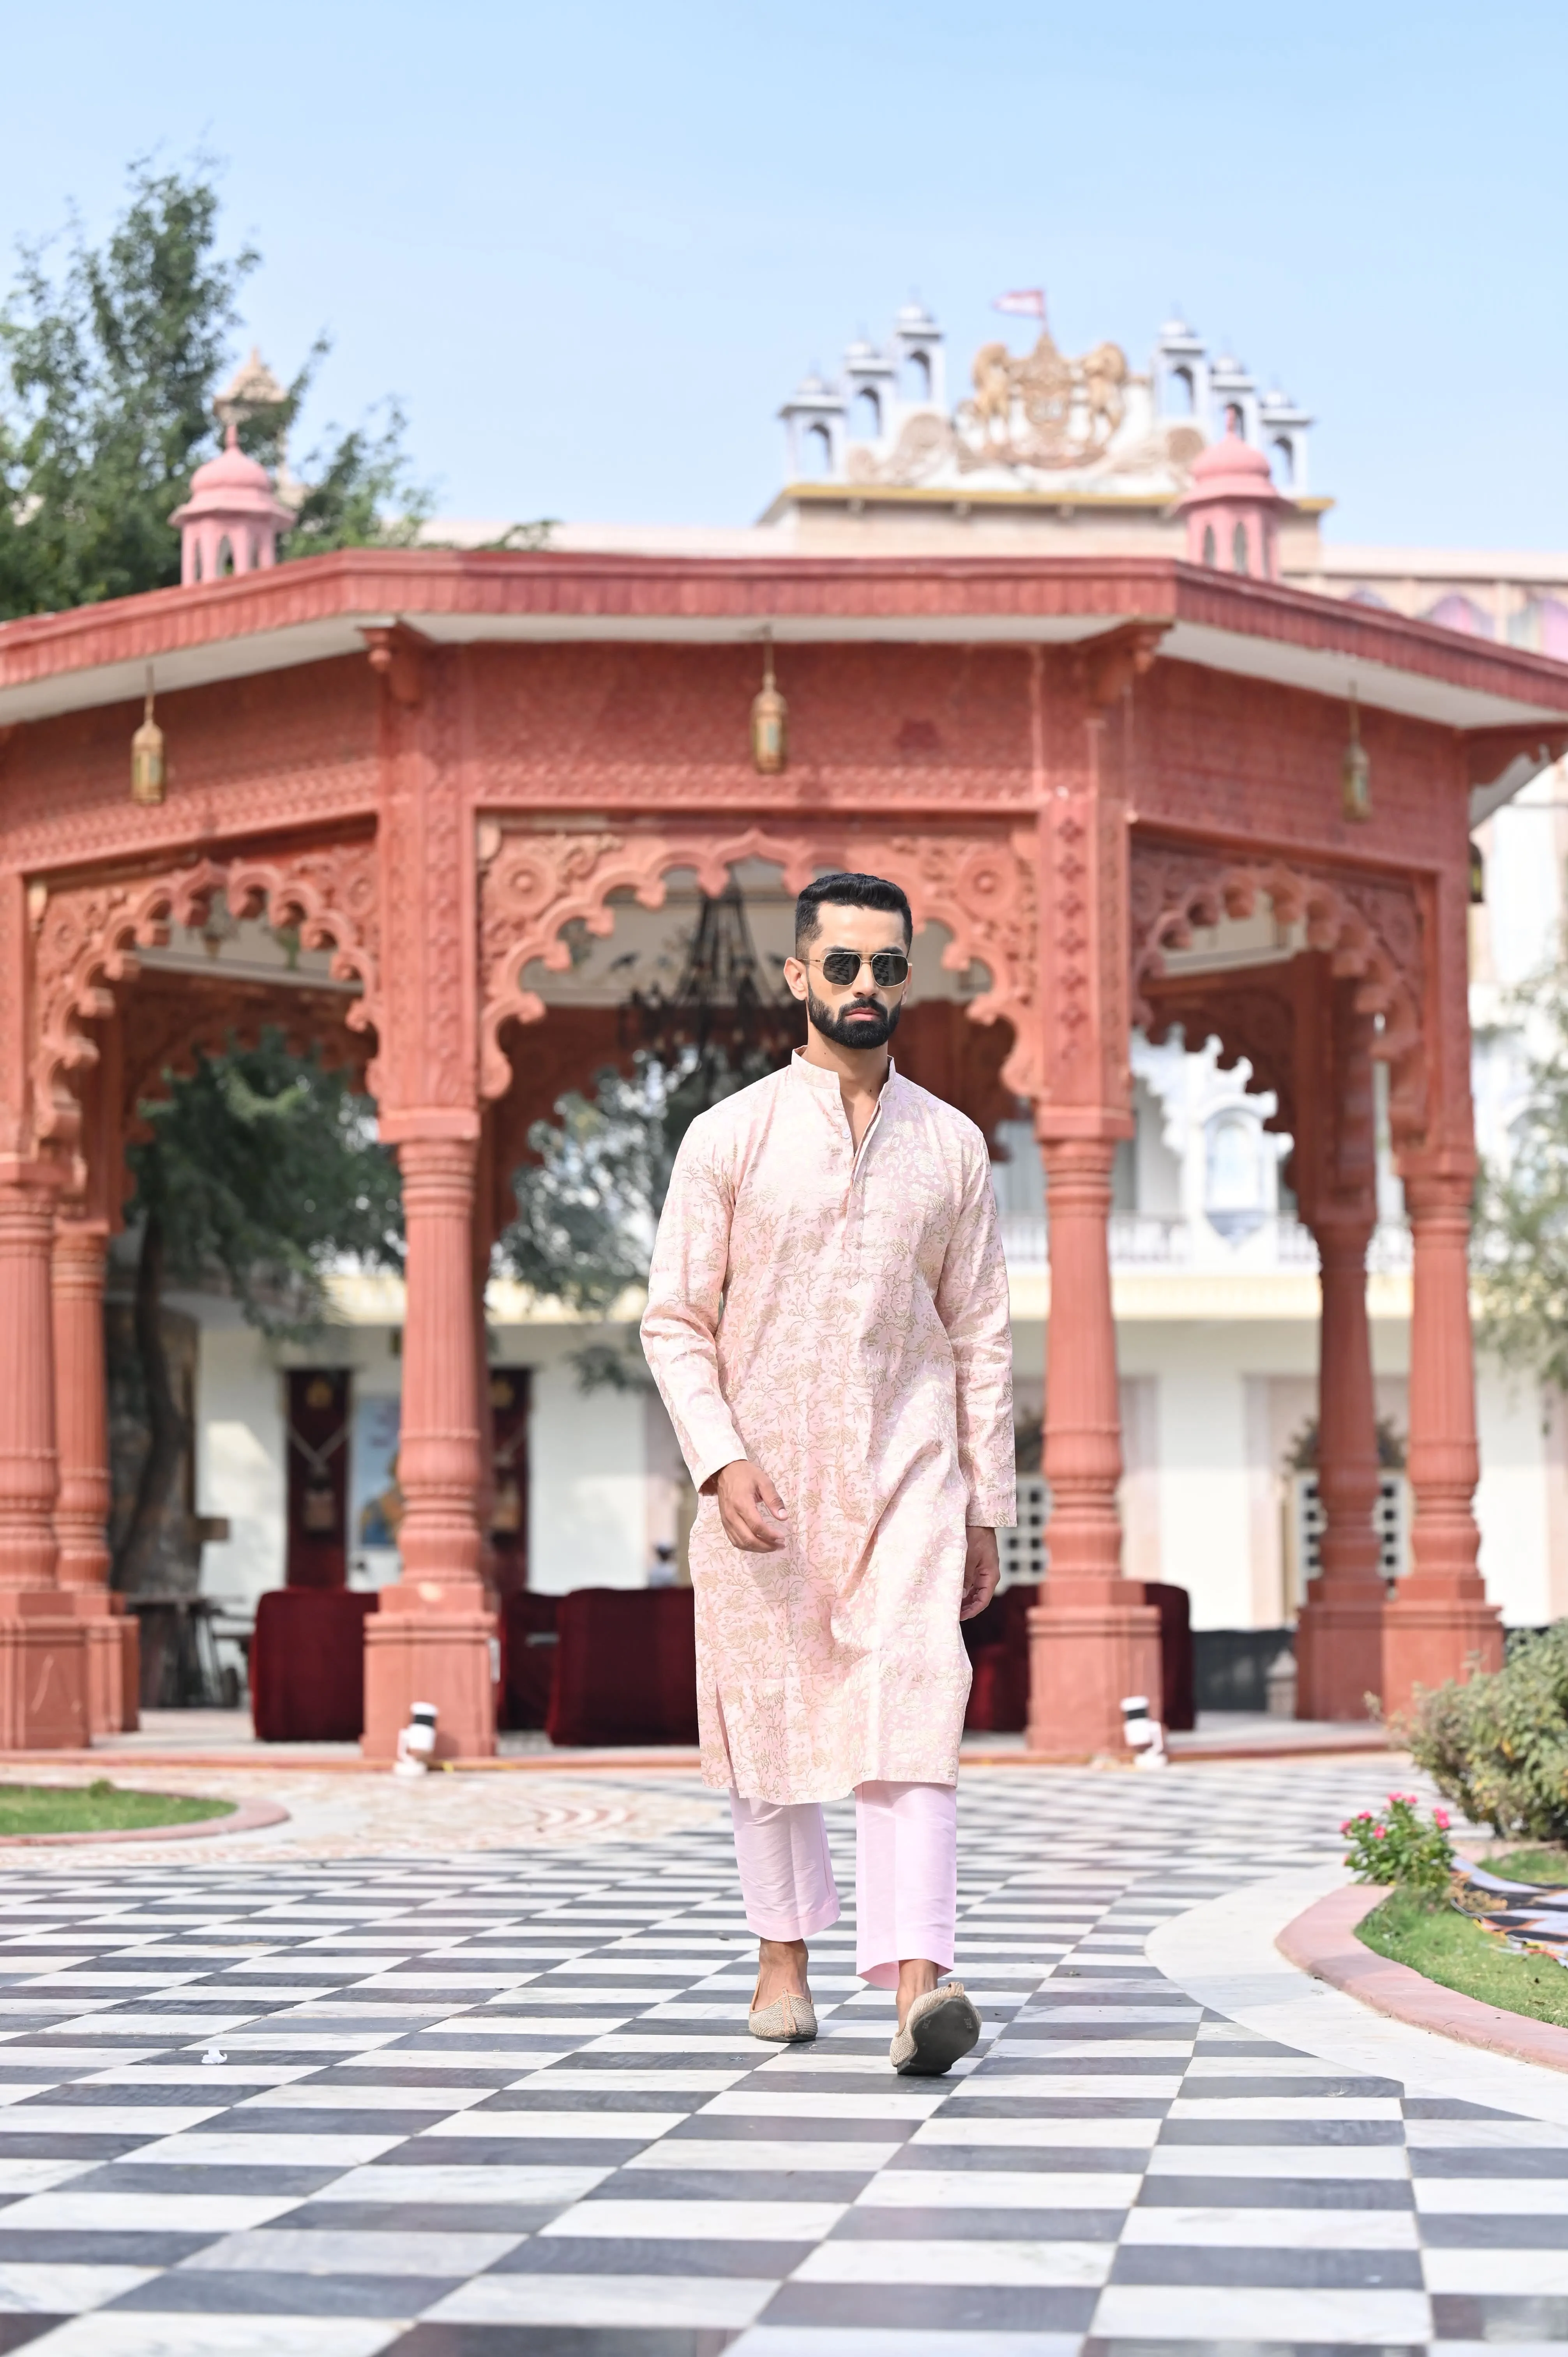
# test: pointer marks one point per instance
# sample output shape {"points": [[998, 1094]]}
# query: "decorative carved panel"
{"points": [[980, 885], [1370, 931], [86, 937]]}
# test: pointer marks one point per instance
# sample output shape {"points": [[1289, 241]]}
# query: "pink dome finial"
{"points": [[232, 521], [1232, 509]]}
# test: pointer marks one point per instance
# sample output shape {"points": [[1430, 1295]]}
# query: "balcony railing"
{"points": [[1140, 1240]]}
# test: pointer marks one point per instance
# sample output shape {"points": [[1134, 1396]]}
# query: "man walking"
{"points": [[827, 1324]]}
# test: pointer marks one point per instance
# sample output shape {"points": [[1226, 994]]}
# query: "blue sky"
{"points": [[591, 247]]}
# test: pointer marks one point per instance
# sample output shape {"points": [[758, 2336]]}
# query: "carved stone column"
{"points": [[81, 1414], [43, 1686], [432, 1637], [430, 1640], [1339, 1637], [1439, 1624], [27, 1465], [81, 1503], [1092, 1637]]}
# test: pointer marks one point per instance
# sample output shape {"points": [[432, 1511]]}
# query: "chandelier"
{"points": [[725, 1014]]}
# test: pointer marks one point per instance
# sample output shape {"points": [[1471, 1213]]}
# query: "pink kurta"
{"points": [[841, 1321]]}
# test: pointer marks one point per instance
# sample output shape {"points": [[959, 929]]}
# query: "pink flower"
{"points": [[1347, 1825], [1441, 1820], [1379, 1833]]}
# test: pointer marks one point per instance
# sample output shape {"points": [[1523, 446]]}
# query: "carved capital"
{"points": [[1107, 666], [397, 656]]}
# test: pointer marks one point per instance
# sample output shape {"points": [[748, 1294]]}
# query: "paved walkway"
{"points": [[490, 2102]]}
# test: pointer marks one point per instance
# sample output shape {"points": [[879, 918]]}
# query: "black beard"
{"points": [[859, 1034]]}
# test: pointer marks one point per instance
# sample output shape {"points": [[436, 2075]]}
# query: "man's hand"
{"points": [[751, 1510], [982, 1571]]}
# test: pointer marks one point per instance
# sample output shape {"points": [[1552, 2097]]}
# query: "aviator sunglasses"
{"points": [[888, 968]]}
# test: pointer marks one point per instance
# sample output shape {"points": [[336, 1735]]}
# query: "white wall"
{"points": [[239, 1461], [1511, 1503], [588, 1512]]}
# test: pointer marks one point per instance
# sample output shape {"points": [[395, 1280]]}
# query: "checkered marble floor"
{"points": [[506, 2103]]}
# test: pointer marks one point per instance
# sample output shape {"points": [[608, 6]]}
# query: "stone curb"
{"points": [[248, 1818], [1322, 1942]]}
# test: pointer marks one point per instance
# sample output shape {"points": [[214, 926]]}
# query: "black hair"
{"points": [[849, 891]]}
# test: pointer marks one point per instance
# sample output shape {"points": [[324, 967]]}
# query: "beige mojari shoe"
{"points": [[788, 2020], [939, 2028]]}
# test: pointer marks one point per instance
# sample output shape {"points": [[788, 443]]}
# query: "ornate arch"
{"points": [[1372, 933], [980, 885], [1254, 1025], [86, 938]]}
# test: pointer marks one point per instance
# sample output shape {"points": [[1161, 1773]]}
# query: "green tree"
{"points": [[587, 1209], [107, 376], [261, 1174], [1520, 1262]]}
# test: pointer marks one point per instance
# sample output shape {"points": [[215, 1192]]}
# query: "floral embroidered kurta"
{"points": [[842, 1321]]}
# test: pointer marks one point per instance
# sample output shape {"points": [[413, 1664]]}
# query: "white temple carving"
{"points": [[1039, 421]]}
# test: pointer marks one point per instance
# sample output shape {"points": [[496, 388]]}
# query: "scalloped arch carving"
{"points": [[979, 884], [87, 936], [1372, 933]]}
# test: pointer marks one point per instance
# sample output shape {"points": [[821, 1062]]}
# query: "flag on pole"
{"points": [[1025, 303]]}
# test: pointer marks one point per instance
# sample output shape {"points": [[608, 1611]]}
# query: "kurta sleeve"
{"points": [[972, 1304], [685, 1289]]}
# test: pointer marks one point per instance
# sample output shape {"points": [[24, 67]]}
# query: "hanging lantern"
{"points": [[147, 755], [769, 723], [1355, 774], [1478, 876]]}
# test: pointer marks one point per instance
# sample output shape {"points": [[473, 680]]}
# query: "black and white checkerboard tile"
{"points": [[507, 2103]]}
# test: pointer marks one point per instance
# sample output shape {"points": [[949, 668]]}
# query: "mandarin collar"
{"points": [[826, 1082]]}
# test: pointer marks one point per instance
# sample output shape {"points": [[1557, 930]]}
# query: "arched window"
{"points": [[225, 557], [1238, 549], [195, 562], [1234, 420], [819, 451], [1233, 1196], [1180, 398], [1210, 553], [916, 377], [866, 423], [1284, 455]]}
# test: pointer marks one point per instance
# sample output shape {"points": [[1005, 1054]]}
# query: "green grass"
{"points": [[1530, 1866], [97, 1808], [1447, 1947]]}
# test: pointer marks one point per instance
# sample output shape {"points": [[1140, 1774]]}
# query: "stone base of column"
{"points": [[1428, 1639], [1083, 1659], [113, 1640], [43, 1673], [1339, 1656], [420, 1652]]}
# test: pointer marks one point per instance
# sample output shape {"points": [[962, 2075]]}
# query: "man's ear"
{"points": [[796, 977]]}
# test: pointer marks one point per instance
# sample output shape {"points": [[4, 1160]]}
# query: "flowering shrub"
{"points": [[1498, 1744], [1395, 1847]]}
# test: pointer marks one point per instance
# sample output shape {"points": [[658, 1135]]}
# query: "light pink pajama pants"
{"points": [[906, 1873]]}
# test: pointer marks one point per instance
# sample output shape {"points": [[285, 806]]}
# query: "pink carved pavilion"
{"points": [[431, 763]]}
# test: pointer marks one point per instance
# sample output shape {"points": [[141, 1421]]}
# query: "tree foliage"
{"points": [[1520, 1259], [587, 1210], [260, 1173], [108, 368]]}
